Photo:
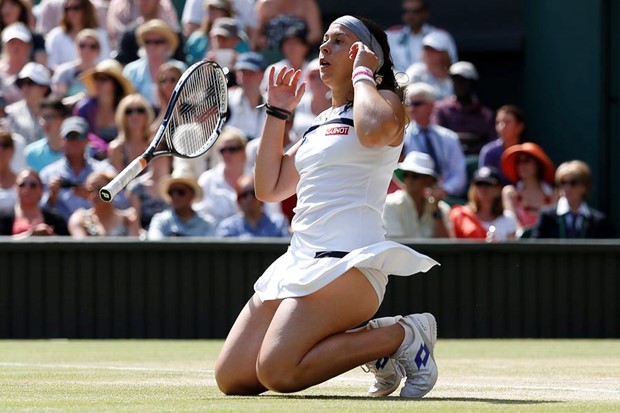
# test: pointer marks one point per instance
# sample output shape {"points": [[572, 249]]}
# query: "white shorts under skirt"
{"points": [[298, 273]]}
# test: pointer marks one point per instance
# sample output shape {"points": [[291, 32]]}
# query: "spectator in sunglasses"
{"points": [[27, 217], [572, 217], [416, 211], [181, 191]]}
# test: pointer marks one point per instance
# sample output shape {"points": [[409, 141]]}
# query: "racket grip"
{"points": [[108, 192]]}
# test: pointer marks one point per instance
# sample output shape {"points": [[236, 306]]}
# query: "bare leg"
{"points": [[235, 367], [307, 343]]}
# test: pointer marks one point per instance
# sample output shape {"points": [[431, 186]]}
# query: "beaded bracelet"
{"points": [[276, 112]]}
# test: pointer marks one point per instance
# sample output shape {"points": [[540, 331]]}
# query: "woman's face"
{"points": [[135, 116], [88, 49], [9, 12], [166, 81], [527, 166], [335, 64], [74, 10], [156, 45], [507, 126], [16, 48], [29, 188], [487, 191], [104, 84], [232, 151]]}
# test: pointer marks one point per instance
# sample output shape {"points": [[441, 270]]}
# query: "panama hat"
{"points": [[508, 162], [108, 67], [180, 175], [160, 27], [418, 162]]}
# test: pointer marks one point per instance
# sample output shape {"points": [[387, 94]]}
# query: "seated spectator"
{"points": [[195, 12], [158, 42], [16, 49], [45, 151], [527, 165], [509, 125], [435, 66], [180, 190], [416, 211], [294, 47], [243, 100], [66, 80], [315, 100], [49, 13], [275, 17], [463, 113], [199, 41], [106, 86], [144, 191], [225, 39], [484, 216], [572, 217], [26, 217], [124, 16], [20, 11], [219, 183], [23, 116], [252, 220], [440, 143], [103, 219], [8, 193], [65, 179], [168, 76], [134, 117], [406, 41], [60, 41]]}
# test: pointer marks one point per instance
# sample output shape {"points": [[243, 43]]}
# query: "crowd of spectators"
{"points": [[84, 85]]}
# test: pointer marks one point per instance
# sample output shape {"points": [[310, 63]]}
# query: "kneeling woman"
{"points": [[295, 331]]}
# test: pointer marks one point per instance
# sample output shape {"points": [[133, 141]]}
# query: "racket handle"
{"points": [[108, 192]]}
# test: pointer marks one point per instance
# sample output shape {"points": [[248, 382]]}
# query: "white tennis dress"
{"points": [[340, 196]]}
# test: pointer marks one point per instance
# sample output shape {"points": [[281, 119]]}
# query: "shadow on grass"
{"points": [[405, 400]]}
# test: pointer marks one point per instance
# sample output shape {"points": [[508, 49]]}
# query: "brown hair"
{"points": [[497, 208], [89, 15]]}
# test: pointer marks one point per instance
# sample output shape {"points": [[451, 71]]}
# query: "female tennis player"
{"points": [[296, 331]]}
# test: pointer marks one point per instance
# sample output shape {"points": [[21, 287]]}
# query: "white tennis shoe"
{"points": [[388, 374], [416, 356]]}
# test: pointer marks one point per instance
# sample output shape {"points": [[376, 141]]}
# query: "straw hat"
{"points": [[510, 156], [180, 175], [108, 67], [160, 27]]}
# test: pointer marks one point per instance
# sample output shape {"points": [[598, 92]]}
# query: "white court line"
{"points": [[344, 378]]}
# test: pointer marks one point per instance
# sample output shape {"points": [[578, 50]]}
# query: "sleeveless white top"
{"points": [[340, 197]]}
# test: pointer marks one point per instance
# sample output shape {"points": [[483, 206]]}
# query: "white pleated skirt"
{"points": [[298, 273]]}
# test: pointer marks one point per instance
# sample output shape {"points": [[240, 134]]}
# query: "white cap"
{"points": [[418, 162], [36, 72], [464, 69], [442, 41], [16, 31]]}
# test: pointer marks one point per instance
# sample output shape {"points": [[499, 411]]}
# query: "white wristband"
{"points": [[362, 73]]}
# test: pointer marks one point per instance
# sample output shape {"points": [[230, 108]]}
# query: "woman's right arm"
{"points": [[275, 174]]}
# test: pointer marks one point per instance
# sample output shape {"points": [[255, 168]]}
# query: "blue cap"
{"points": [[250, 61]]}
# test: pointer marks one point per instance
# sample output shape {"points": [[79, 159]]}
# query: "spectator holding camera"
{"points": [[65, 177]]}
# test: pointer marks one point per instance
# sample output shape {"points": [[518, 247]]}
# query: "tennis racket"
{"points": [[193, 121]]}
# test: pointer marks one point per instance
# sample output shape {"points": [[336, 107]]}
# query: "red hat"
{"points": [[508, 162]]}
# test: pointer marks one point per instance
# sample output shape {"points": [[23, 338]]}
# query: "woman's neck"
{"points": [[27, 210]]}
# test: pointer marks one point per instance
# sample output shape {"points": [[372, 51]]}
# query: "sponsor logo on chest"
{"points": [[337, 130]]}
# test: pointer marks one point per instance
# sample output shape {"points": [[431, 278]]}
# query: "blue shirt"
{"points": [[267, 226], [447, 148], [168, 224], [67, 200], [39, 154], [490, 155]]}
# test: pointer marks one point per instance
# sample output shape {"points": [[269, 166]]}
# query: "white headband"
{"points": [[360, 30]]}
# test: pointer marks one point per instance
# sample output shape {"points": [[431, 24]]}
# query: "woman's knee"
{"points": [[277, 377], [232, 382]]}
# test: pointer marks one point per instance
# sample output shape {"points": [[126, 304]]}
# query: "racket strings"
{"points": [[198, 114]]}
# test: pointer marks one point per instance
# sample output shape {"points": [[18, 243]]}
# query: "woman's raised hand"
{"points": [[283, 90], [363, 56]]}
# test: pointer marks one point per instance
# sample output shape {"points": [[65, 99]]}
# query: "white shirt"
{"points": [[220, 199], [61, 48], [401, 220], [406, 46], [505, 226], [245, 116]]}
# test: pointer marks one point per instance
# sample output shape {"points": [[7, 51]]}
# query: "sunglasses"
{"points": [[483, 184], [131, 111], [413, 175], [230, 149], [246, 194], [27, 82], [102, 78], [569, 182], [163, 80], [178, 192], [415, 103], [28, 184], [6, 145], [73, 8], [155, 41], [92, 46]]}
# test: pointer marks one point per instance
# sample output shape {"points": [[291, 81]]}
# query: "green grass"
{"points": [[475, 376]]}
